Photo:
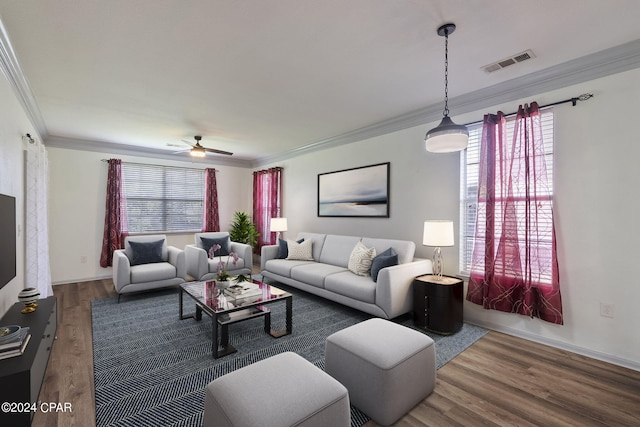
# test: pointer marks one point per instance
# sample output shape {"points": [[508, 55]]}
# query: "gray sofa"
{"points": [[327, 274]]}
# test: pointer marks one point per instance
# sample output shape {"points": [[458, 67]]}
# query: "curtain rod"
{"points": [[148, 164], [573, 102]]}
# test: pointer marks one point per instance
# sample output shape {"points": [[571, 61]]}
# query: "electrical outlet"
{"points": [[606, 309], [83, 259]]}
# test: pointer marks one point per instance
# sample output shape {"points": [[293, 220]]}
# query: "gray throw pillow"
{"points": [[146, 252], [224, 242], [384, 259]]}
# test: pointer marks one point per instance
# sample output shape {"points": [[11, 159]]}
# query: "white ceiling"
{"points": [[265, 78]]}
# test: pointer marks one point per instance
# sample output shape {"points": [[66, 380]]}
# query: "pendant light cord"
{"points": [[446, 73]]}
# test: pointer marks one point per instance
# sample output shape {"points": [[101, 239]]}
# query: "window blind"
{"points": [[163, 198]]}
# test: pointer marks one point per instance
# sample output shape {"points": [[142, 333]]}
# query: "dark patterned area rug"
{"points": [[151, 368]]}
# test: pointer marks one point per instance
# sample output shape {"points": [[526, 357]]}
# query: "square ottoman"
{"points": [[387, 368], [283, 390]]}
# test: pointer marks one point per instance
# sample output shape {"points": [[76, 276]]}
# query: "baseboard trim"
{"points": [[594, 354], [85, 279]]}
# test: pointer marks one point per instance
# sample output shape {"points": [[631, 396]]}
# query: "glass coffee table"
{"points": [[233, 305]]}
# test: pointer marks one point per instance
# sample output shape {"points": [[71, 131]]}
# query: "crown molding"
{"points": [[130, 150], [12, 70], [600, 64]]}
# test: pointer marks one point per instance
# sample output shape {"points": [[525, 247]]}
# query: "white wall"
{"points": [[13, 125], [423, 186], [77, 205], [596, 181]]}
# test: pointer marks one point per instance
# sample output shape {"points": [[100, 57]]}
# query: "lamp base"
{"points": [[437, 264]]}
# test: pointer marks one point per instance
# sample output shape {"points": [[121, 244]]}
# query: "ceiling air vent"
{"points": [[514, 59]]}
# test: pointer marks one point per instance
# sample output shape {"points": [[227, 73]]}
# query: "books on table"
{"points": [[243, 290], [16, 346]]}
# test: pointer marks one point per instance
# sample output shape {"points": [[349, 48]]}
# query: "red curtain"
{"points": [[211, 216], [514, 265], [267, 203], [115, 218]]}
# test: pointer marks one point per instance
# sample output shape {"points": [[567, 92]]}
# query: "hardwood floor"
{"points": [[500, 380]]}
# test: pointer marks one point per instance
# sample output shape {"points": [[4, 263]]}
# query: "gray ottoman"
{"points": [[283, 390], [387, 368]]}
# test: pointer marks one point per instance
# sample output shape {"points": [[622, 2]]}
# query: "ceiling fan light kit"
{"points": [[198, 150], [447, 137]]}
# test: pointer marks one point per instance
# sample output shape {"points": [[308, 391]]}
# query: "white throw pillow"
{"points": [[300, 251], [360, 259]]}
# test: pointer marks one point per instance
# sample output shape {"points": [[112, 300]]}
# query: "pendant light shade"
{"points": [[447, 136]]}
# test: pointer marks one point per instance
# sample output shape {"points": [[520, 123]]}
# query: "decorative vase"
{"points": [[224, 284]]}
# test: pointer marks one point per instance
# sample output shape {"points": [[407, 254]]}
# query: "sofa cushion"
{"points": [[360, 259], [337, 249], [283, 267], [224, 243], [404, 248], [315, 273], [146, 252], [382, 260], [353, 286], [152, 272], [300, 251]]}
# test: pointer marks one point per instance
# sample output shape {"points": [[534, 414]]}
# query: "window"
{"points": [[163, 198], [469, 171]]}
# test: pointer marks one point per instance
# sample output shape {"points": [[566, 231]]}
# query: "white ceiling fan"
{"points": [[198, 150]]}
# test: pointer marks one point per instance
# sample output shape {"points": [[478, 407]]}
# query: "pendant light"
{"points": [[447, 136]]}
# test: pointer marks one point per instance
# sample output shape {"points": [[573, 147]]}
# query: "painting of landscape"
{"points": [[356, 192]]}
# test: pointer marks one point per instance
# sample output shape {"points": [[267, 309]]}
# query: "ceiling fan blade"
{"points": [[213, 150]]}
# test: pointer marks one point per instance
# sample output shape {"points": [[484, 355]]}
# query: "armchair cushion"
{"points": [[224, 243], [146, 252]]}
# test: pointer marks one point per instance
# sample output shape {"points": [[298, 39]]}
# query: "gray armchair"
{"points": [[201, 268], [145, 263]]}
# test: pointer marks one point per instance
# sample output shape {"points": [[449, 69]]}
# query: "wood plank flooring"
{"points": [[498, 381]]}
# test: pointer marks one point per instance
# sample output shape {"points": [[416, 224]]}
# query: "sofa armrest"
{"points": [[243, 251], [393, 290], [197, 261], [267, 252], [121, 270], [178, 260]]}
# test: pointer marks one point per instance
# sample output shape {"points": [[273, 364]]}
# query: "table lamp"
{"points": [[438, 233], [278, 225]]}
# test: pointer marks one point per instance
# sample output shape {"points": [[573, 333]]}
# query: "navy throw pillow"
{"points": [[384, 259], [283, 249], [224, 242], [146, 252]]}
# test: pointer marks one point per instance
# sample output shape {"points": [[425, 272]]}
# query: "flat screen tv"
{"points": [[7, 239]]}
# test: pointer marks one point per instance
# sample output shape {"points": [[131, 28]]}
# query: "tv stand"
{"points": [[22, 376]]}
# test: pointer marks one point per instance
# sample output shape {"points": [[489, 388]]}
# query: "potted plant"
{"points": [[243, 230]]}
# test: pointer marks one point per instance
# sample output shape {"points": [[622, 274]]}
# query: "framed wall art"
{"points": [[356, 192]]}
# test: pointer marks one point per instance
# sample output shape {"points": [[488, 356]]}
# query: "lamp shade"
{"points": [[438, 233], [447, 137], [278, 224]]}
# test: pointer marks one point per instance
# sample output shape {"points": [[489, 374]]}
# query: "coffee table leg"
{"points": [[289, 315], [214, 336], [267, 322], [289, 321]]}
